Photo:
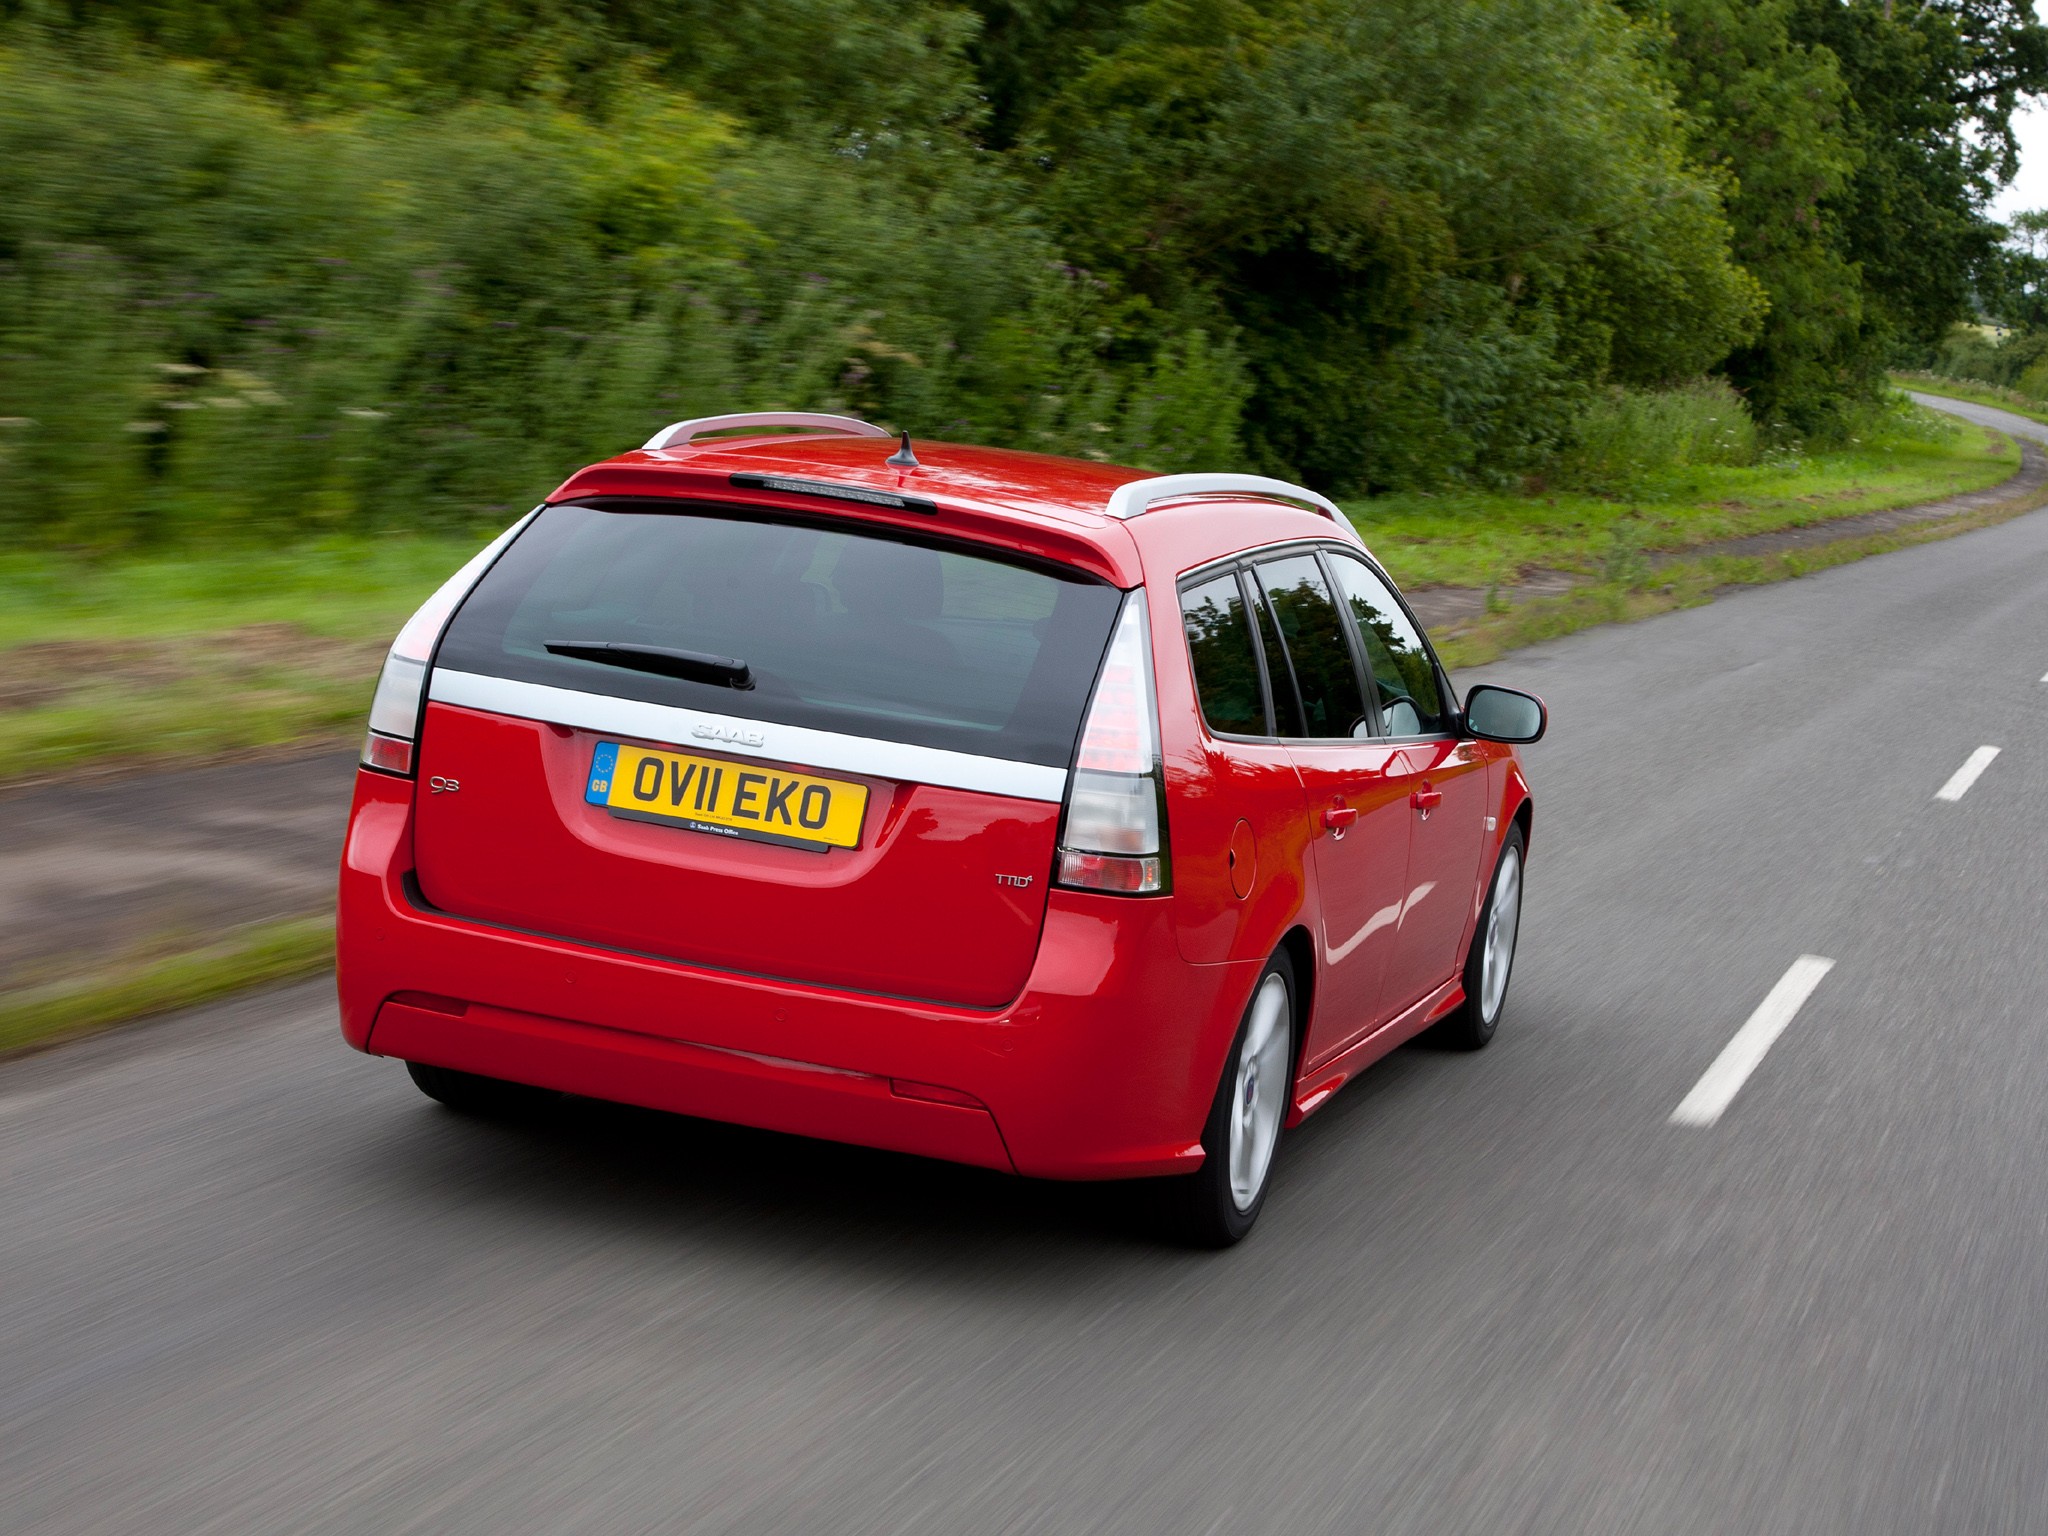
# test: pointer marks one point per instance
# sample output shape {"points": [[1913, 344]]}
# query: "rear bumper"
{"points": [[688, 1079], [1103, 1067]]}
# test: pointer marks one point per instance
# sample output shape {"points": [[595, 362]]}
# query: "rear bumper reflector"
{"points": [[387, 754], [932, 1093], [1124, 875], [433, 1002]]}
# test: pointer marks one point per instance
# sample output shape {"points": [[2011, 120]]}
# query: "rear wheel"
{"points": [[1492, 960], [469, 1094], [1216, 1206]]}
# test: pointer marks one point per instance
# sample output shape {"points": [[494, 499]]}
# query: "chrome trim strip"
{"points": [[697, 730]]}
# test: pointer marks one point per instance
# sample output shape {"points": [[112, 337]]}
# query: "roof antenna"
{"points": [[903, 458]]}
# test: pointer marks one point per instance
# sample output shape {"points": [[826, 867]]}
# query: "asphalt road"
{"points": [[250, 1281]]}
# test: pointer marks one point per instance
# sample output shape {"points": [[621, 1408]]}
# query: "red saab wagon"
{"points": [[1009, 809]]}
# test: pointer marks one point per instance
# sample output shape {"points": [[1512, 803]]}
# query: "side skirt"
{"points": [[1314, 1089]]}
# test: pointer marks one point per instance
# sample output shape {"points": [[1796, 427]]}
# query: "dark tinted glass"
{"points": [[1286, 701], [842, 631], [1226, 666], [1323, 670], [1410, 704]]}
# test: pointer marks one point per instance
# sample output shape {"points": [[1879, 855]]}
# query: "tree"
{"points": [[1434, 224], [1771, 115], [1932, 88], [2015, 288]]}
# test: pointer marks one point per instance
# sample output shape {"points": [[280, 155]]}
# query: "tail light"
{"points": [[402, 685], [1113, 835]]}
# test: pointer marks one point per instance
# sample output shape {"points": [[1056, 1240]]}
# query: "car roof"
{"points": [[1035, 503]]}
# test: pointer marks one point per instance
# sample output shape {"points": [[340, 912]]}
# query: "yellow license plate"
{"points": [[727, 798]]}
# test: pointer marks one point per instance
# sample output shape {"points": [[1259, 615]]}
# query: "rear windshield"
{"points": [[840, 631]]}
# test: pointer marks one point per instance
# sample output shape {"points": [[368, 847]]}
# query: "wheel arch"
{"points": [[1300, 949], [1521, 817]]}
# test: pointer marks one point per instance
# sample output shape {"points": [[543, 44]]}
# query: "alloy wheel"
{"points": [[1260, 1098], [1503, 918]]}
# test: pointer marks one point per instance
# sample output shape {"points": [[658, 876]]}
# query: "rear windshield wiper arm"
{"points": [[692, 666]]}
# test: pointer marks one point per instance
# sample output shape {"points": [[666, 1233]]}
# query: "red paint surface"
{"points": [[897, 995], [1095, 1070], [914, 911], [1361, 876]]}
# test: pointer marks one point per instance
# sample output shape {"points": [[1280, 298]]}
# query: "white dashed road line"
{"points": [[1959, 782], [1731, 1069]]}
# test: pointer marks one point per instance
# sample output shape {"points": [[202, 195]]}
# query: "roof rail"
{"points": [[1141, 495], [681, 433]]}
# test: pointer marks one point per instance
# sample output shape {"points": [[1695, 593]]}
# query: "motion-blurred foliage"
{"points": [[300, 264], [213, 311]]}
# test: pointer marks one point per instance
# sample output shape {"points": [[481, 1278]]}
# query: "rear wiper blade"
{"points": [[691, 666]]}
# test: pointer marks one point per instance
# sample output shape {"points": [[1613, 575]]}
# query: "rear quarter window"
{"points": [[1226, 665], [843, 629]]}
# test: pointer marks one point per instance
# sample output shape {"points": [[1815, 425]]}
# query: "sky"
{"points": [[2030, 187]]}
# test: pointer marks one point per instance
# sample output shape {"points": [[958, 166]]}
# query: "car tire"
{"points": [[1216, 1206], [469, 1094], [1490, 963]]}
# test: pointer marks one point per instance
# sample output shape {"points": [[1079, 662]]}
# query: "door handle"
{"points": [[1338, 817], [1426, 800]]}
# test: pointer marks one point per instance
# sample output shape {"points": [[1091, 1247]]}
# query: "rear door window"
{"points": [[840, 629], [1226, 664], [1411, 704], [1332, 698]]}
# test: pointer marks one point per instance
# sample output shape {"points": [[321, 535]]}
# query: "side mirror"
{"points": [[1504, 714]]}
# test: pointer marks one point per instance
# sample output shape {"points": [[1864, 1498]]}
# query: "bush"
{"points": [[215, 316], [1434, 224], [2016, 360], [1627, 434], [1362, 245], [1892, 418]]}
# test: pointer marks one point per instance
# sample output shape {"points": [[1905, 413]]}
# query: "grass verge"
{"points": [[248, 957], [1489, 539], [1689, 583], [189, 654]]}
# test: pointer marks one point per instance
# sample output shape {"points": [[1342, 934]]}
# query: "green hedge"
{"points": [[307, 265], [215, 314]]}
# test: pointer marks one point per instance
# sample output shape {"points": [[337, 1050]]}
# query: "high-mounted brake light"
{"points": [[1114, 835], [401, 686]]}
